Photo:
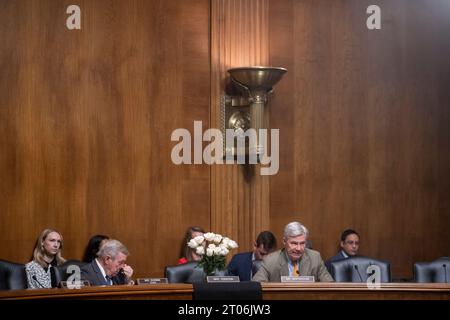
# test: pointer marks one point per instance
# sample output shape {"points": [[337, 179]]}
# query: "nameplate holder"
{"points": [[299, 279], [222, 279], [152, 280], [74, 284]]}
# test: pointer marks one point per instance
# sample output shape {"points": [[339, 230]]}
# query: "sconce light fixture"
{"points": [[243, 107]]}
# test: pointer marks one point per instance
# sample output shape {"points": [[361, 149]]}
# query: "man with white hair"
{"points": [[109, 267], [294, 259]]}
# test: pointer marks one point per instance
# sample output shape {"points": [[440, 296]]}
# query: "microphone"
{"points": [[359, 274], [445, 271], [35, 279]]}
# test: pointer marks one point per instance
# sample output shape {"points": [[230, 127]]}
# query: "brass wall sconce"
{"points": [[242, 108]]}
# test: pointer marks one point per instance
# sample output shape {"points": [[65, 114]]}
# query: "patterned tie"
{"points": [[296, 272], [256, 264], [108, 280]]}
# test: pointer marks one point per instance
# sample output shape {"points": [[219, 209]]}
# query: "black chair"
{"points": [[12, 276], [435, 271], [355, 269], [183, 273], [61, 271]]}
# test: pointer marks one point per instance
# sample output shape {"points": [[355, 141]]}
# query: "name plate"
{"points": [[152, 280], [74, 284], [222, 279], [301, 279]]}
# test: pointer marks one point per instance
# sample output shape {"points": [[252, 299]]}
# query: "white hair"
{"points": [[295, 229], [112, 248]]}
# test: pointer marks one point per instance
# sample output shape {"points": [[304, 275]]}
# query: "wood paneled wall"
{"points": [[364, 118], [239, 194], [86, 118]]}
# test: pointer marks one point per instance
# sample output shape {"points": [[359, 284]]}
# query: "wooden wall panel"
{"points": [[239, 194], [86, 118], [364, 124], [85, 123]]}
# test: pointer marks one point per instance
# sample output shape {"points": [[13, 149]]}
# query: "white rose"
{"points": [[232, 244], [209, 252], [212, 246], [200, 250], [192, 244], [224, 251], [199, 239], [217, 239], [217, 251], [209, 236]]}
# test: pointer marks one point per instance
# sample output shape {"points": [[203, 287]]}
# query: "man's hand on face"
{"points": [[128, 271]]}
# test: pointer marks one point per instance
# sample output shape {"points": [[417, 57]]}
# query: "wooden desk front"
{"points": [[271, 291]]}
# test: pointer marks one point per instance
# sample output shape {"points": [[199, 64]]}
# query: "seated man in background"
{"points": [[294, 259], [349, 247], [109, 267], [245, 264]]}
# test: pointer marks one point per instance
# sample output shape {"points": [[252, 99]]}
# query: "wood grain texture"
{"points": [[270, 291], [86, 119], [364, 119], [239, 194]]}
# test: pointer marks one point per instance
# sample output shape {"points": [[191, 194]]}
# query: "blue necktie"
{"points": [[108, 280]]}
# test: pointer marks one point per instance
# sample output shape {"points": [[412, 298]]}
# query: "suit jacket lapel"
{"points": [[284, 267], [98, 273], [305, 264], [247, 265]]}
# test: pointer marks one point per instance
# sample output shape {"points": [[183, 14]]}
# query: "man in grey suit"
{"points": [[294, 259], [109, 267]]}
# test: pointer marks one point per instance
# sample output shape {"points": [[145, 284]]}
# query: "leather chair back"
{"points": [[435, 271], [355, 269], [61, 271], [180, 273], [12, 276]]}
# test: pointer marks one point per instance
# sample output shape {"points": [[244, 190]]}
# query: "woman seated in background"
{"points": [[46, 254], [187, 254], [93, 247]]}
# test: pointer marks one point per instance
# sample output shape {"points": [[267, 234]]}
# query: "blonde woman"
{"points": [[47, 254]]}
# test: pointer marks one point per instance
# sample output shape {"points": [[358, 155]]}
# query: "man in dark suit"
{"points": [[294, 259], [349, 247], [246, 264], [109, 267]]}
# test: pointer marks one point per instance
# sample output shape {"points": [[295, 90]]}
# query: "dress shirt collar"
{"points": [[101, 268]]}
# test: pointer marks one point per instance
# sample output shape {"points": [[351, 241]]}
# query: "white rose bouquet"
{"points": [[213, 248]]}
